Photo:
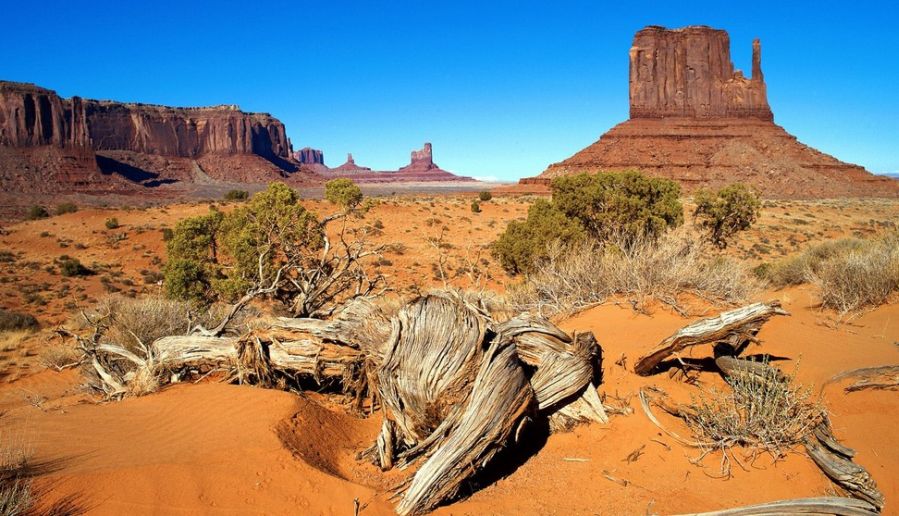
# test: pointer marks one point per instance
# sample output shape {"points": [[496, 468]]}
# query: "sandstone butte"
{"points": [[49, 144], [421, 168], [693, 118]]}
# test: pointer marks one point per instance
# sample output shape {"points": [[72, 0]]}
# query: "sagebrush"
{"points": [[586, 273]]}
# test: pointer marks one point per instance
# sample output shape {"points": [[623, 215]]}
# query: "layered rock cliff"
{"points": [[688, 72], [309, 156], [696, 120], [96, 138]]}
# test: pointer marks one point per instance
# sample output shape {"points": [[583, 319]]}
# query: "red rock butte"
{"points": [[695, 119], [421, 168]]}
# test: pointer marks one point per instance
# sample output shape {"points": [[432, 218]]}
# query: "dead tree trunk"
{"points": [[736, 328]]}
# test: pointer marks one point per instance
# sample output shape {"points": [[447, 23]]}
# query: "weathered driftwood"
{"points": [[850, 476], [456, 386], [881, 377], [736, 328], [820, 505]]}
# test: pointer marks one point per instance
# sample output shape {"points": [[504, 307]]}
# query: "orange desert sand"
{"points": [[212, 448]]}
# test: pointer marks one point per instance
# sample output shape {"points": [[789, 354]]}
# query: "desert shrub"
{"points": [[111, 223], [724, 213], [860, 277], [236, 195], [343, 192], [475, 207], [524, 244], [37, 212], [167, 234], [587, 272], [768, 412], [132, 321], [621, 204], [850, 273], [625, 205], [66, 207], [12, 321], [485, 196], [71, 267], [271, 245]]}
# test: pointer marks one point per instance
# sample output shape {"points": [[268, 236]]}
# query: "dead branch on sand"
{"points": [[881, 378], [821, 505], [735, 328]]}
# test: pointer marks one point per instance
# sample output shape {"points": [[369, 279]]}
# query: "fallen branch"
{"points": [[821, 505], [736, 328], [882, 377]]}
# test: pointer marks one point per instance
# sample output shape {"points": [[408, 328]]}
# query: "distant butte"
{"points": [[695, 119], [421, 168]]}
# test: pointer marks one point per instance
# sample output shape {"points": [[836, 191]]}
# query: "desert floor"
{"points": [[225, 449]]}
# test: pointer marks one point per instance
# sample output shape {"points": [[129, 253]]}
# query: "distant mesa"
{"points": [[695, 119], [49, 144]]}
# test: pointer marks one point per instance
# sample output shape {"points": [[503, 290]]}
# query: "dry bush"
{"points": [[578, 276], [10, 321], [59, 355], [764, 412], [860, 277], [850, 273], [135, 321], [801, 268], [18, 494]]}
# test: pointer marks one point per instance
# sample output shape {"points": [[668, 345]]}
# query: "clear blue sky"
{"points": [[501, 88]]}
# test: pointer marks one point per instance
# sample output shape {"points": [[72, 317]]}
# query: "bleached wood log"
{"points": [[736, 327], [820, 505], [500, 397]]}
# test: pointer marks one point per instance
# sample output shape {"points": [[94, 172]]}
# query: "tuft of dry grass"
{"points": [[850, 273], [765, 412], [576, 277], [860, 277]]}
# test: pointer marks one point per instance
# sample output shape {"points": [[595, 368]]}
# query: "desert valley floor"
{"points": [[214, 448]]}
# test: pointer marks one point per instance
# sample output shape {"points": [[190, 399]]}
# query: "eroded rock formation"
{"points": [[350, 167], [141, 143], [696, 120], [421, 160], [688, 72], [421, 168], [309, 156]]}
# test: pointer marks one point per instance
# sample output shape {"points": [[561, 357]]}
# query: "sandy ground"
{"points": [[212, 448]]}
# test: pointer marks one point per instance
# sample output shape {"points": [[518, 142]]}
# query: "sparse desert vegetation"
{"points": [[629, 288]]}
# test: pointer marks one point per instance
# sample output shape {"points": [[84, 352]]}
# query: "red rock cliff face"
{"points": [[309, 156], [33, 116], [697, 121], [688, 72], [184, 132]]}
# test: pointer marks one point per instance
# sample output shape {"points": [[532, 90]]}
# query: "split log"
{"points": [[455, 386], [820, 505], [736, 328]]}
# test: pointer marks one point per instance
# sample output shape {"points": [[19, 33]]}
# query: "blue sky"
{"points": [[501, 89]]}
